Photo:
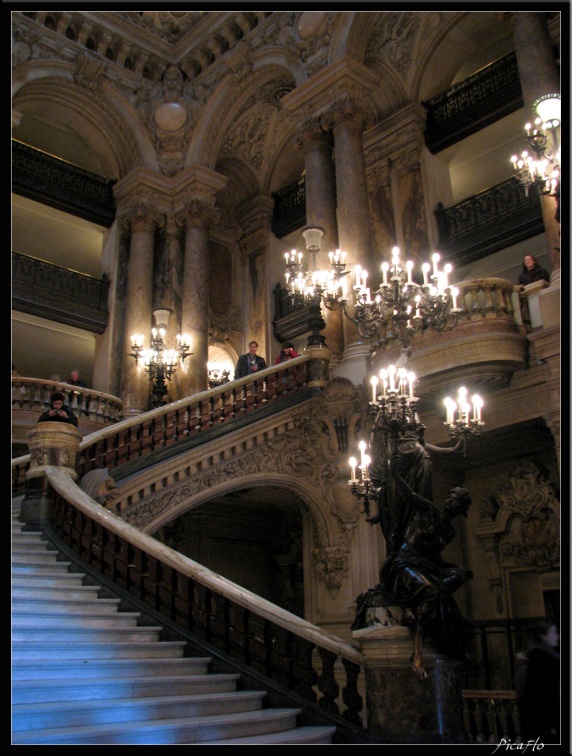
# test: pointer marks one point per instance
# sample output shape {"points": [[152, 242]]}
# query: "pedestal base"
{"points": [[401, 707]]}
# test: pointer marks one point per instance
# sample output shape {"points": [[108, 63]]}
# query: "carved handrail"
{"points": [[138, 436], [271, 640]]}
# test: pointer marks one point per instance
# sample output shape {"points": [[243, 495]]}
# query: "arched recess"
{"points": [[253, 537], [222, 131], [242, 183], [98, 117]]}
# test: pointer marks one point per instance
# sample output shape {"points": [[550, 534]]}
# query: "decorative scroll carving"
{"points": [[100, 486], [222, 326]]}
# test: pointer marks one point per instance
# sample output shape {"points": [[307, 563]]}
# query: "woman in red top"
{"points": [[286, 353]]}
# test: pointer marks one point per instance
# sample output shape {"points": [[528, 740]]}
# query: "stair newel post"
{"points": [[51, 444]]}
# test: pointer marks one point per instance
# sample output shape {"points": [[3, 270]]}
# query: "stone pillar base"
{"points": [[401, 707], [51, 444]]}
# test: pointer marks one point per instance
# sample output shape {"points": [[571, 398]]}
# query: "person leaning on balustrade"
{"points": [[532, 271], [58, 412]]}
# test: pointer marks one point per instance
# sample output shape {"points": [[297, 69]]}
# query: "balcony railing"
{"points": [[64, 296], [489, 95], [57, 183], [489, 221]]}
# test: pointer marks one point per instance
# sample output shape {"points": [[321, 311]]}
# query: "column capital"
{"points": [[348, 113], [139, 214], [312, 136], [196, 214]]}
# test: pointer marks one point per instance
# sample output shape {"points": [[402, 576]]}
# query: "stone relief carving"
{"points": [[88, 69], [394, 38], [332, 567], [520, 523]]}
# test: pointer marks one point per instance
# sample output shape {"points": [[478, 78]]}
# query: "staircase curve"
{"points": [[298, 660]]}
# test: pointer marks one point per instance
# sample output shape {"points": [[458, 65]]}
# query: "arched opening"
{"points": [[253, 537]]}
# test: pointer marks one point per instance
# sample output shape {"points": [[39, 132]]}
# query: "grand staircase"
{"points": [[85, 672]]}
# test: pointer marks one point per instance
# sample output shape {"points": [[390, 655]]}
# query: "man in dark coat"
{"points": [[249, 363]]}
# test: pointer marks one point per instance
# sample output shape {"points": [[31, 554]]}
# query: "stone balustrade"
{"points": [[31, 397]]}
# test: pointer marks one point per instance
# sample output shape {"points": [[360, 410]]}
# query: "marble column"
{"points": [[354, 226], [321, 211], [255, 218], [192, 377], [142, 220], [539, 75]]}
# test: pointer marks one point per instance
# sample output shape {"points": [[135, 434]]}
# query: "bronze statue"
{"points": [[414, 574]]}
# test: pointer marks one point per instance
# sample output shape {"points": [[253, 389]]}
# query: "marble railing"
{"points": [[293, 653], [137, 437], [489, 715], [31, 397]]}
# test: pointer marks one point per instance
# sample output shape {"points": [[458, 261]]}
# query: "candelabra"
{"points": [[398, 309], [219, 373], [540, 168], [160, 363], [393, 408]]}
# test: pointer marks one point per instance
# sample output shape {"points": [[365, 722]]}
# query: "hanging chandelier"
{"points": [[160, 363], [393, 408], [539, 166], [395, 311]]}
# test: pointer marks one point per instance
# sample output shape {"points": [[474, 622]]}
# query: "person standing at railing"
{"points": [[532, 271], [58, 413], [249, 363], [286, 353], [75, 380]]}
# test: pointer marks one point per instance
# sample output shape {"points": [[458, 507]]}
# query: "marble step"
{"points": [[87, 670], [32, 567], [65, 605], [89, 618], [75, 592], [114, 710], [111, 688], [35, 555], [185, 731], [52, 579], [134, 634], [300, 735], [48, 649]]}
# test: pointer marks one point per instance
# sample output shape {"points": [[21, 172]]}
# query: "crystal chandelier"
{"points": [[397, 310], [393, 408], [160, 363], [539, 166]]}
